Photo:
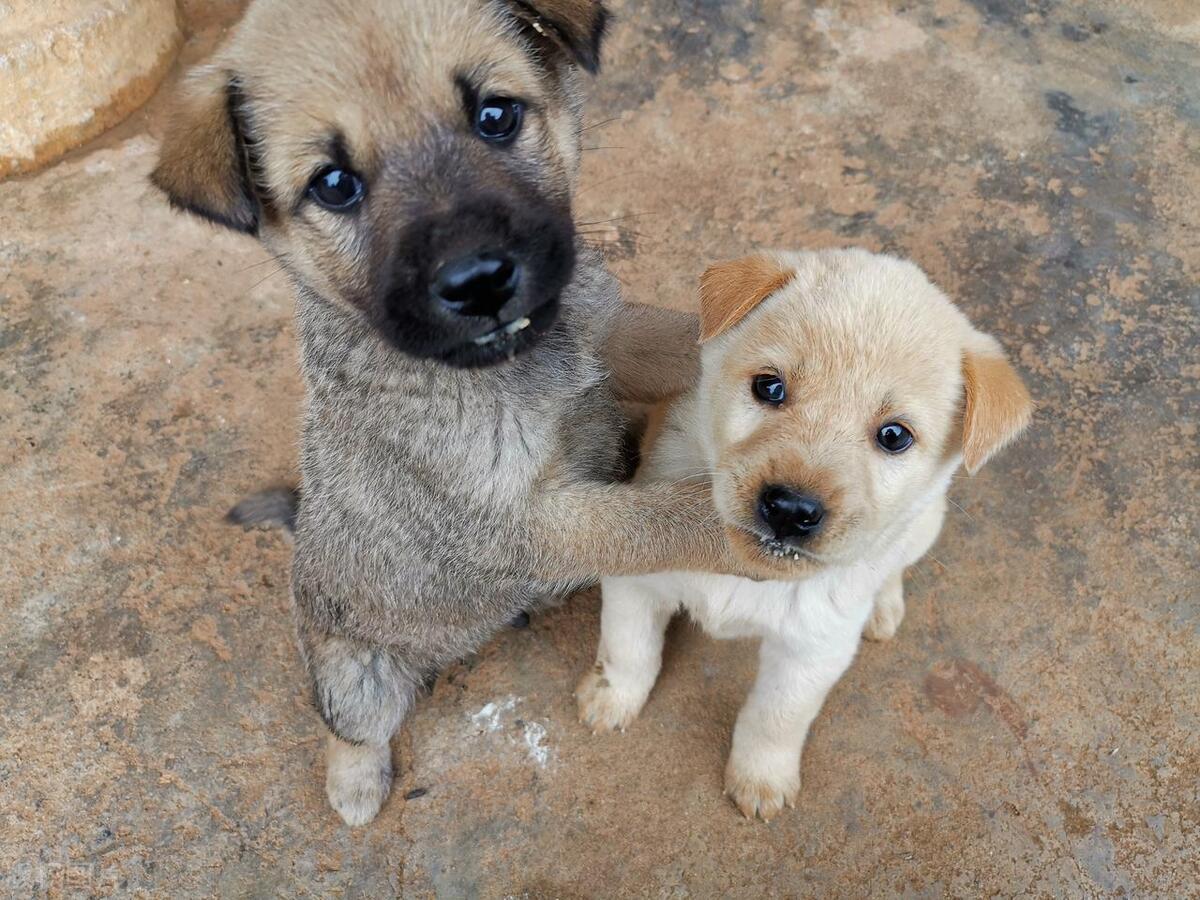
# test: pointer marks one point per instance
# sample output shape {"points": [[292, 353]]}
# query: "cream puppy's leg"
{"points": [[633, 620], [763, 772]]}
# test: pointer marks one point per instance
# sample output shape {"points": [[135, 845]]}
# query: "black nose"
{"points": [[477, 285], [788, 513]]}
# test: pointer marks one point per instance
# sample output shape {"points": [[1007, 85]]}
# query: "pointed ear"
{"points": [[204, 166], [576, 26], [997, 405], [730, 290]]}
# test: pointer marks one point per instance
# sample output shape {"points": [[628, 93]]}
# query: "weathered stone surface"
{"points": [[71, 68], [1032, 730]]}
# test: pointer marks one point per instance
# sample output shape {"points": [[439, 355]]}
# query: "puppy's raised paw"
{"points": [[602, 707], [357, 780], [758, 795]]}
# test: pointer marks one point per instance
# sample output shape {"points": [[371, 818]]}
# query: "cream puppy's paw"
{"points": [[602, 706], [357, 779], [758, 794], [888, 612]]}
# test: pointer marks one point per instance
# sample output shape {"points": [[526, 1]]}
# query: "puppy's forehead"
{"points": [[373, 70], [856, 319]]}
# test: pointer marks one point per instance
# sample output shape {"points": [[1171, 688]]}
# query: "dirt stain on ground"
{"points": [[1075, 823], [958, 686]]}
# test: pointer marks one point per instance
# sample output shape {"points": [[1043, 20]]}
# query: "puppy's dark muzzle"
{"points": [[478, 282]]}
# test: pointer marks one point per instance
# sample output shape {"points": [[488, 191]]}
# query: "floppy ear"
{"points": [[204, 165], [997, 405], [576, 26], [730, 290]]}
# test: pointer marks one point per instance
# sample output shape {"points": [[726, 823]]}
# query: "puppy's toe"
{"points": [[357, 803], [357, 781], [602, 707], [888, 613], [762, 796], [884, 622]]}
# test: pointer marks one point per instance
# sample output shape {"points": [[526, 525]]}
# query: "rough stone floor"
{"points": [[1031, 731]]}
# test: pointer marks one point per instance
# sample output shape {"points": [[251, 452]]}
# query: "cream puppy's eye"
{"points": [[894, 438], [769, 388]]}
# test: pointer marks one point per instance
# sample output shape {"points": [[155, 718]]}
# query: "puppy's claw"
{"points": [[357, 804], [602, 708], [761, 797]]}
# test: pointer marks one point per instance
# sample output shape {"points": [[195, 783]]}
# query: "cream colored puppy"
{"points": [[839, 392]]}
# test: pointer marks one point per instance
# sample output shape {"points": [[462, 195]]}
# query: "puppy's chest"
{"points": [[576, 429], [799, 612]]}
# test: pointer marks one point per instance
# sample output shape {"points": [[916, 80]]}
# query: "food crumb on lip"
{"points": [[504, 331], [778, 549]]}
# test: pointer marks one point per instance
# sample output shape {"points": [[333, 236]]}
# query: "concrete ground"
{"points": [[1031, 731]]}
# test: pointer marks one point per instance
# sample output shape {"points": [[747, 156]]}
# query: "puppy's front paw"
{"points": [[888, 612], [357, 780], [602, 707], [756, 794]]}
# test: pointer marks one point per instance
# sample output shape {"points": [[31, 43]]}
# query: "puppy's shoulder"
{"points": [[594, 294], [669, 448]]}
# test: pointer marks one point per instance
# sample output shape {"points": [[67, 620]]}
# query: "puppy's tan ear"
{"points": [[576, 26], [203, 164], [997, 405], [730, 290]]}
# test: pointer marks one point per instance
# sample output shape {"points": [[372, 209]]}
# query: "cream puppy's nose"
{"points": [[790, 514]]}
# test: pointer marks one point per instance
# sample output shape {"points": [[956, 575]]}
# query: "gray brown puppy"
{"points": [[412, 164]]}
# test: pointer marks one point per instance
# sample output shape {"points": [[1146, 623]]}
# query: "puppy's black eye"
{"points": [[894, 438], [339, 190], [769, 388], [499, 118]]}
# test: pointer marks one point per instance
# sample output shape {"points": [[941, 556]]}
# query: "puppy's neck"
{"points": [[343, 355], [342, 352]]}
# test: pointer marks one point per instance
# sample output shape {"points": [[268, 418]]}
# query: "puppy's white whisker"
{"points": [[602, 183], [938, 561], [257, 265], [264, 280], [970, 518], [634, 215], [599, 124], [696, 473]]}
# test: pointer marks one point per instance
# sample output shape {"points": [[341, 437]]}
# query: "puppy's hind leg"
{"points": [[362, 693], [632, 623]]}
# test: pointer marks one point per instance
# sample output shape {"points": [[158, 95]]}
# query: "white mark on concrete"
{"points": [[488, 718], [530, 736], [535, 743]]}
